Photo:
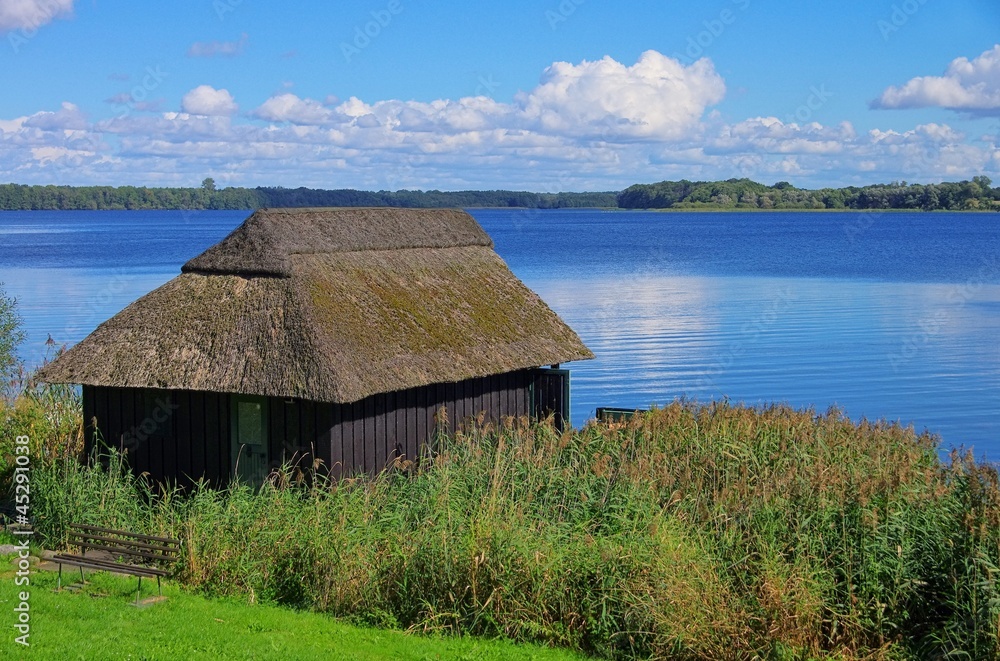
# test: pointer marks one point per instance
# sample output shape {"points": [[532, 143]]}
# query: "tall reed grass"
{"points": [[701, 532]]}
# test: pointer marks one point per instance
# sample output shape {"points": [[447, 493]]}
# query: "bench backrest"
{"points": [[130, 546]]}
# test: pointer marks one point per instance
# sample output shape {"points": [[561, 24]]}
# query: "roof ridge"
{"points": [[261, 245]]}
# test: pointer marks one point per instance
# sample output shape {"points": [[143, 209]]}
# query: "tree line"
{"points": [[730, 194], [747, 194], [24, 198]]}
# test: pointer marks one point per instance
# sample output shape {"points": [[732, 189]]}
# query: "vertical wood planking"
{"points": [[369, 434], [392, 449], [195, 428], [420, 404], [363, 436], [379, 441], [87, 395], [275, 428], [168, 463], [480, 396], [310, 447], [180, 432], [124, 424], [292, 437], [214, 469], [358, 418], [115, 415], [340, 455], [410, 424], [497, 393], [326, 446]]}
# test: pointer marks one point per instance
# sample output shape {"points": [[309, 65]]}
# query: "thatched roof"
{"points": [[329, 305]]}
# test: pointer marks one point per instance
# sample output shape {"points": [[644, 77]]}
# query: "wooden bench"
{"points": [[613, 414], [104, 549]]}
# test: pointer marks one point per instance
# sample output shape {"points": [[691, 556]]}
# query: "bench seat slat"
{"points": [[104, 565], [129, 552], [121, 533], [86, 537]]}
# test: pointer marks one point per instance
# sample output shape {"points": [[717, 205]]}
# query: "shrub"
{"points": [[689, 532]]}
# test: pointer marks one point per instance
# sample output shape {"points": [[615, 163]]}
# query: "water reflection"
{"points": [[902, 351]]}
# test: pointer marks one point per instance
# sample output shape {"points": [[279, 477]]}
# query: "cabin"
{"points": [[341, 338]]}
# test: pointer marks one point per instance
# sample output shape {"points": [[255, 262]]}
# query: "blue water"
{"points": [[891, 315]]}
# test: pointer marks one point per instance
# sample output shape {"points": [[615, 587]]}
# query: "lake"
{"points": [[886, 315]]}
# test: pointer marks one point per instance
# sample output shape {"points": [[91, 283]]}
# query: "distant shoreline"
{"points": [[687, 196]]}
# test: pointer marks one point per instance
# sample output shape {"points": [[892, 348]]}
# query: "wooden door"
{"points": [[249, 439]]}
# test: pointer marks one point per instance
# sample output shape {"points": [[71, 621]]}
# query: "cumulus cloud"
{"points": [[68, 117], [590, 126], [219, 48], [31, 14], [769, 135], [206, 100], [968, 85], [288, 107], [656, 98]]}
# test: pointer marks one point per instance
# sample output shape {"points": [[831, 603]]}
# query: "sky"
{"points": [[547, 95]]}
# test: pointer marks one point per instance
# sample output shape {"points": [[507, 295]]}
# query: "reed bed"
{"points": [[692, 531]]}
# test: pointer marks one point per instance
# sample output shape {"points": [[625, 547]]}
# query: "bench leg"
{"points": [[159, 589], [83, 579], [59, 582], [137, 592]]}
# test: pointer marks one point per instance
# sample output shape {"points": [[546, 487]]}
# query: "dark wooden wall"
{"points": [[184, 435], [166, 433]]}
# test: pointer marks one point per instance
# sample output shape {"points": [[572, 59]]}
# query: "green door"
{"points": [[249, 439]]}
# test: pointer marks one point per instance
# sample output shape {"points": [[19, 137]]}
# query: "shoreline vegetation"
{"points": [[694, 531], [978, 194]]}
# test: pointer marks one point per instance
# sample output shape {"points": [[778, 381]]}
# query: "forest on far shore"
{"points": [[977, 194]]}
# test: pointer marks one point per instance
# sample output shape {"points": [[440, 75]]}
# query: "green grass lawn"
{"points": [[98, 622]]}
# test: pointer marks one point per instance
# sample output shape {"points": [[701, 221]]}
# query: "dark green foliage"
{"points": [[684, 194], [747, 194], [207, 196], [712, 532], [11, 337], [26, 198], [310, 197]]}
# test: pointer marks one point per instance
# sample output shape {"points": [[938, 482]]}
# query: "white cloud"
{"points": [[290, 108], [972, 86], [770, 135], [656, 98], [31, 14], [206, 100], [68, 116], [591, 126], [219, 48]]}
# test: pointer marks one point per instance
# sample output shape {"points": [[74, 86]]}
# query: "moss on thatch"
{"points": [[263, 244], [329, 305]]}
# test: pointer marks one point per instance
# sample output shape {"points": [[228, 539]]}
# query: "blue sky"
{"points": [[548, 95]]}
